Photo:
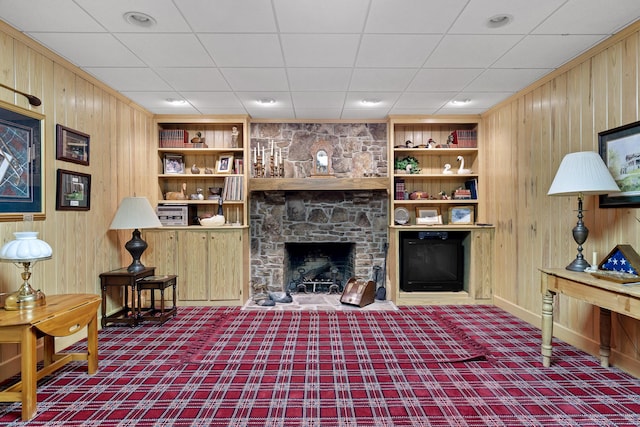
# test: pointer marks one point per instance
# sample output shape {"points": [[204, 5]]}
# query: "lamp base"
{"points": [[24, 301], [578, 264]]}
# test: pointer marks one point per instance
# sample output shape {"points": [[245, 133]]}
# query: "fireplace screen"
{"points": [[318, 267]]}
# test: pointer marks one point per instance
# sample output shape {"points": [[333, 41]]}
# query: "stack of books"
{"points": [[232, 189], [173, 138]]}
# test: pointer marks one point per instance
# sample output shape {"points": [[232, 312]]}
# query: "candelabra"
{"points": [[258, 168]]}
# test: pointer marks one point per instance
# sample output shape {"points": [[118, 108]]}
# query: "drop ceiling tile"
{"points": [[412, 111], [443, 79], [457, 111], [315, 79], [39, 16], [353, 100], [243, 50], [591, 17], [90, 50], [319, 50], [362, 114], [477, 51], [381, 79], [313, 99], [194, 79], [228, 16], [480, 100], [202, 100], [271, 113], [412, 100], [526, 16], [167, 50], [256, 79], [393, 50], [110, 15], [158, 100], [134, 79], [506, 80], [534, 52], [222, 111], [412, 16], [327, 16], [318, 113]]}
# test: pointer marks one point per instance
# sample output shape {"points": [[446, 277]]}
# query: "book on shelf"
{"points": [[472, 185], [399, 195], [173, 138], [232, 189]]}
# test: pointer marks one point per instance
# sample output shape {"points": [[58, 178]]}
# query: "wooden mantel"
{"points": [[318, 184]]}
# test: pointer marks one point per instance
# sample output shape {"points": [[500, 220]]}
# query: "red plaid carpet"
{"points": [[457, 365]]}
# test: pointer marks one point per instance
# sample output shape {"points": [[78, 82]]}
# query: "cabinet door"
{"points": [[225, 265], [193, 271], [161, 251]]}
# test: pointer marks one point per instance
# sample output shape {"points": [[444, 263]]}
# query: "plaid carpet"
{"points": [[363, 373]]}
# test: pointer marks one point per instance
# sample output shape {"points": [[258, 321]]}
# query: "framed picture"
{"points": [[73, 191], [72, 145], [225, 163], [461, 215], [21, 164], [428, 215], [620, 150], [173, 163]]}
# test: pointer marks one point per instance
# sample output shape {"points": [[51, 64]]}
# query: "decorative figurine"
{"points": [[447, 169], [234, 137], [461, 169], [195, 170], [177, 195]]}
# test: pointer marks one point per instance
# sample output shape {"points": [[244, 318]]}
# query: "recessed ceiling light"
{"points": [[459, 102], [174, 101], [266, 101], [370, 101], [139, 19], [498, 21]]}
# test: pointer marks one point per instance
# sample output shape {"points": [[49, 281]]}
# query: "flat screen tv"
{"points": [[432, 262]]}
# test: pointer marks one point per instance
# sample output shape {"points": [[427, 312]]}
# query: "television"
{"points": [[432, 261]]}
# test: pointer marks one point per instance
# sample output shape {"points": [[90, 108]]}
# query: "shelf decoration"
{"points": [[621, 265], [407, 165]]}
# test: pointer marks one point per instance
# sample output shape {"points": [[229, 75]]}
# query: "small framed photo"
{"points": [[428, 215], [461, 215], [173, 163], [73, 191], [72, 145], [225, 163]]}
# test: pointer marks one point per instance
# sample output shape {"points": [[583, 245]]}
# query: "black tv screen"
{"points": [[431, 263]]}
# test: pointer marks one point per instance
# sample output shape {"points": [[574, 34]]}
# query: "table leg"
{"points": [[175, 296], [49, 344], [92, 345], [104, 304], [605, 337], [28, 374], [547, 327]]}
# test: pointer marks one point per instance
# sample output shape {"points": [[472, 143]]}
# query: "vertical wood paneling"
{"points": [[561, 114]]}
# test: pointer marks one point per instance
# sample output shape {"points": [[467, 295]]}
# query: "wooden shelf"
{"points": [[318, 184]]}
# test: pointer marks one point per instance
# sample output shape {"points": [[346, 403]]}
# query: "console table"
{"points": [[608, 295], [62, 316]]}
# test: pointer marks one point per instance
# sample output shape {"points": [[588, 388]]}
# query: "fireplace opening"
{"points": [[318, 267]]}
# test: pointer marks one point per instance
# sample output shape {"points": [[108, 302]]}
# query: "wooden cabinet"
{"points": [[214, 164], [209, 263], [429, 190], [429, 186]]}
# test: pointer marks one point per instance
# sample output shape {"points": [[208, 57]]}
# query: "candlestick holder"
{"points": [[272, 166], [258, 168]]}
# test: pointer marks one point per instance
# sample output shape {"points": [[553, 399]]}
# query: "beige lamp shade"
{"points": [[135, 212], [583, 172]]}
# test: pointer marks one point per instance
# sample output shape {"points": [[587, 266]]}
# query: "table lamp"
{"points": [[26, 249], [135, 213], [582, 173]]}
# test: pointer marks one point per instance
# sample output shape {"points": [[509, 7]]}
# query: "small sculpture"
{"points": [[208, 171], [431, 143], [447, 169], [461, 169], [197, 138], [195, 170], [177, 195], [408, 144], [443, 195], [234, 137]]}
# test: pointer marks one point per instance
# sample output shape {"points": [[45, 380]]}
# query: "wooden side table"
{"points": [[63, 315], [153, 284], [122, 278]]}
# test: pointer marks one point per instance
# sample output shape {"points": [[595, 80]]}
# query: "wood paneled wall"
{"points": [[526, 138], [120, 133]]}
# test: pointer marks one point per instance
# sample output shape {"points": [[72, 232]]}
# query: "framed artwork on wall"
{"points": [[73, 191], [620, 150], [72, 145], [21, 164]]}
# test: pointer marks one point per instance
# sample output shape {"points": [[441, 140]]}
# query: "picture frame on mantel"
{"points": [[72, 145], [22, 187], [620, 149]]}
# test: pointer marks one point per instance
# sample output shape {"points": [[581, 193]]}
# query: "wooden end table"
{"points": [[63, 315], [122, 278], [153, 284]]}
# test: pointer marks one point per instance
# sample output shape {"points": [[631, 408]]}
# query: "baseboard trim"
{"points": [[619, 360]]}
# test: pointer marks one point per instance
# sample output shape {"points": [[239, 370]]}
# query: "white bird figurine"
{"points": [[461, 169], [447, 169]]}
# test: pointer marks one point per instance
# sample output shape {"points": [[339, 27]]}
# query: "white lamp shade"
{"points": [[135, 212], [583, 172], [25, 248]]}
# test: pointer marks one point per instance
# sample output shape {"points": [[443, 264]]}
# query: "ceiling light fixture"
{"points": [[497, 21], [460, 102], [174, 101], [139, 19], [266, 101], [370, 101]]}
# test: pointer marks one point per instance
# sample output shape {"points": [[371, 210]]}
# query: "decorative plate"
{"points": [[401, 215]]}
